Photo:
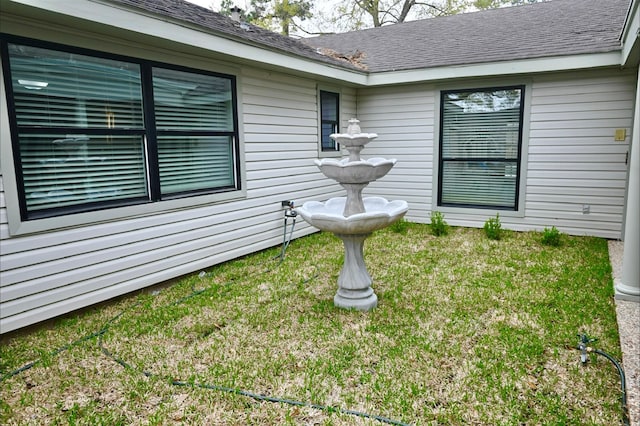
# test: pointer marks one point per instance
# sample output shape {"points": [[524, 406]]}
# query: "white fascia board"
{"points": [[148, 25], [525, 66], [630, 36]]}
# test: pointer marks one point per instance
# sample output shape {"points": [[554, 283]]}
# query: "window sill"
{"points": [[330, 154], [479, 212]]}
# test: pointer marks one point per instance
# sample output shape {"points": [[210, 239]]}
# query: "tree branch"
{"points": [[442, 11]]}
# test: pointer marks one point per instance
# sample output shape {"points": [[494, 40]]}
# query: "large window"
{"points": [[480, 140], [330, 120], [94, 131]]}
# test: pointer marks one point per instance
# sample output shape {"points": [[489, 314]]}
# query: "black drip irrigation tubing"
{"points": [[259, 397], [585, 349], [66, 347], [52, 353], [623, 386]]}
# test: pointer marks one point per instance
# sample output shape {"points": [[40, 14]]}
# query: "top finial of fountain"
{"points": [[354, 127], [354, 140]]}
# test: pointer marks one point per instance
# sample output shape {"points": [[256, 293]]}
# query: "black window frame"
{"points": [[334, 123], [149, 132], [518, 160]]}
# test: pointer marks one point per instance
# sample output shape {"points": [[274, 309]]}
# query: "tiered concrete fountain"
{"points": [[353, 218]]}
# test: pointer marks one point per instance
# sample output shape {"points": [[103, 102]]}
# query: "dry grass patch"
{"points": [[467, 331]]}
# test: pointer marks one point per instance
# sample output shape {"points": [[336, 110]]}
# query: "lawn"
{"points": [[468, 330]]}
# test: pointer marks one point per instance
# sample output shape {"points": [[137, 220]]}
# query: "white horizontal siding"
{"points": [[403, 118], [107, 287], [281, 134], [65, 280], [52, 273], [572, 159]]}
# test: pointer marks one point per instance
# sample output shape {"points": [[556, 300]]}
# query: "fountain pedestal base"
{"points": [[354, 282]]}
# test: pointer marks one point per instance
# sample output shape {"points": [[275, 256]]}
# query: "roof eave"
{"points": [[493, 69], [630, 35]]}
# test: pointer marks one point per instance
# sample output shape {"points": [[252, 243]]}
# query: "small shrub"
{"points": [[439, 226], [493, 227], [400, 227], [551, 236]]}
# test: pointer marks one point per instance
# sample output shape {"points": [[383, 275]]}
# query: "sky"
{"points": [[216, 3]]}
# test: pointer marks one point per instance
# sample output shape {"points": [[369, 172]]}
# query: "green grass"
{"points": [[467, 330]]}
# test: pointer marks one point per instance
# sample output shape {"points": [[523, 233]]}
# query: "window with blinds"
{"points": [[329, 117], [95, 131], [480, 139], [194, 122]]}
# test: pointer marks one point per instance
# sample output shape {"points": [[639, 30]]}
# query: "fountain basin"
{"points": [[328, 216], [348, 140], [362, 171]]}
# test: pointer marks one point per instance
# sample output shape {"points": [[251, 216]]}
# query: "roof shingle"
{"points": [[553, 28], [211, 21]]}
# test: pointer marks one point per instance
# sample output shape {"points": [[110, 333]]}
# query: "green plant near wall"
{"points": [[439, 226], [493, 227], [551, 237], [400, 227]]}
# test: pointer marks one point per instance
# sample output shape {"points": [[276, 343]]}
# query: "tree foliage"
{"points": [[276, 15], [284, 16], [492, 4], [382, 12], [358, 14]]}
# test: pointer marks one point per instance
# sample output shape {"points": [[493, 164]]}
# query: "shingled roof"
{"points": [[553, 28], [213, 22], [547, 29]]}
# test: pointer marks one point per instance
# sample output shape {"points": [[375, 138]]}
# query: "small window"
{"points": [[329, 120], [480, 140], [96, 131]]}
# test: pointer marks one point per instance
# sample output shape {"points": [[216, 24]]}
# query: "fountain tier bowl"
{"points": [[353, 139], [379, 213], [362, 171]]}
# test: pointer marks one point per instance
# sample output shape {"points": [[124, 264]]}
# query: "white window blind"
{"points": [[191, 110], [480, 142], [191, 163], [189, 101], [66, 171]]}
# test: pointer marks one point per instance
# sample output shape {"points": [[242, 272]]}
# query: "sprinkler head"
{"points": [[583, 346]]}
